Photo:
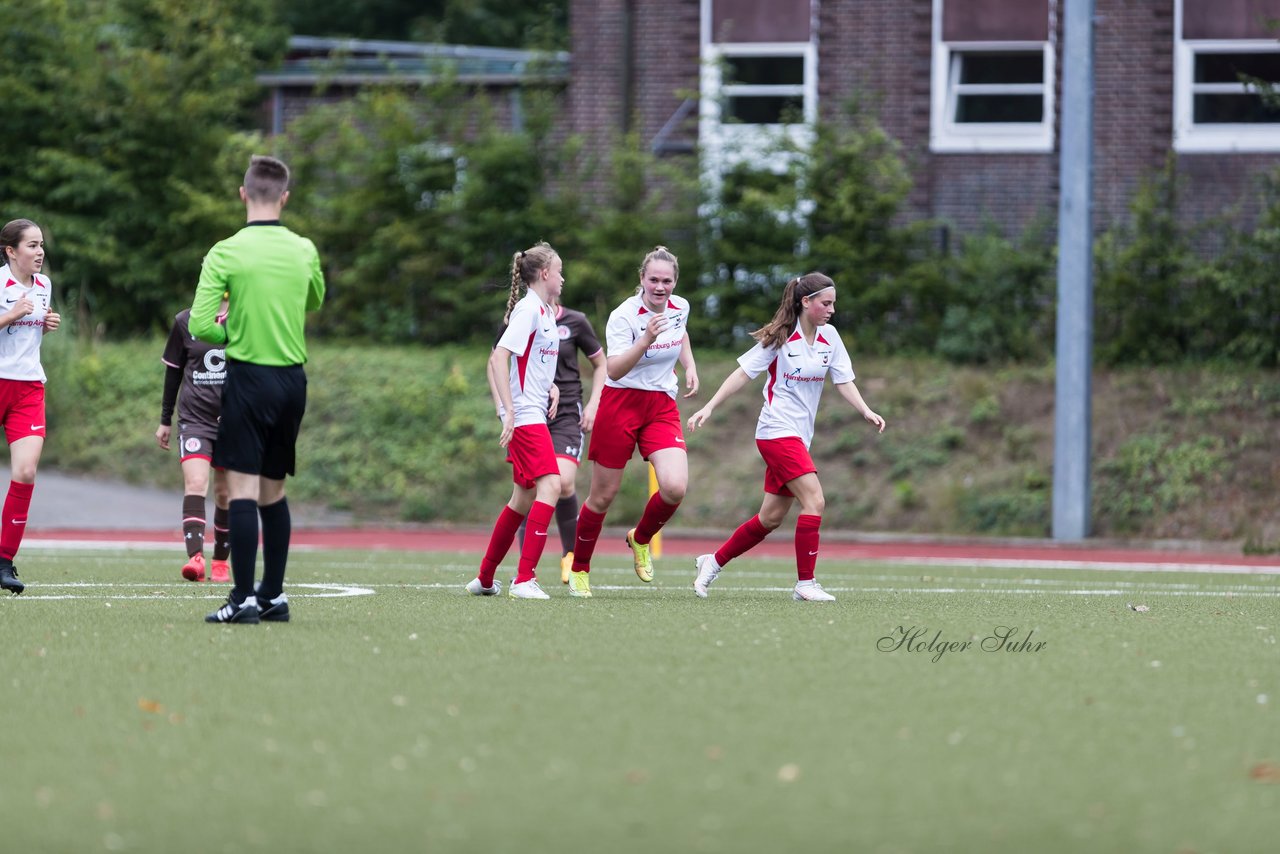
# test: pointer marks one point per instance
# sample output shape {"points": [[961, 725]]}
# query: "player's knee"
{"points": [[673, 493]]}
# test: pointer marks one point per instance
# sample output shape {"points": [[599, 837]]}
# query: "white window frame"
{"points": [[949, 136], [1188, 136], [725, 143]]}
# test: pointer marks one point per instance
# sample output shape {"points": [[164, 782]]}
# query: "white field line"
{"points": [[1154, 590], [1122, 566], [34, 591]]}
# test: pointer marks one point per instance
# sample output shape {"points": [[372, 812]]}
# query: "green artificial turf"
{"points": [[421, 719]]}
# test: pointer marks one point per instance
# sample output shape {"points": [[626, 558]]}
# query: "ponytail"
{"points": [[776, 332], [525, 267]]}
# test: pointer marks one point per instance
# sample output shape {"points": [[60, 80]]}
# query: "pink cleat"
{"points": [[220, 572], [194, 570]]}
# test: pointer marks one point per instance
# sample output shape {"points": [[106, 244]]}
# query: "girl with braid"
{"points": [[645, 337], [25, 316], [798, 349], [527, 353]]}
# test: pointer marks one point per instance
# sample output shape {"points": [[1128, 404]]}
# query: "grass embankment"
{"points": [[408, 434]]}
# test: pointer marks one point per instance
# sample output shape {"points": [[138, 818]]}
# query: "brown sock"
{"points": [[193, 523]]}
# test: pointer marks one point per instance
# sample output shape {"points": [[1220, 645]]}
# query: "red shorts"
{"points": [[630, 417], [784, 460], [22, 408], [531, 455]]}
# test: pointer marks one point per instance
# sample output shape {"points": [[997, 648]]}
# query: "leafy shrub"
{"points": [[1150, 475]]}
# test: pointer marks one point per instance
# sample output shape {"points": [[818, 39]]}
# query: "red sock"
{"points": [[535, 540], [504, 531], [16, 505], [584, 545], [656, 514], [747, 537], [807, 545]]}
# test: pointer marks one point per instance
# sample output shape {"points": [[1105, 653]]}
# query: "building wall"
{"points": [[879, 51], [633, 64]]}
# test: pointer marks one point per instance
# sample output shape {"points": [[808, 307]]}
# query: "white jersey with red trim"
{"points": [[793, 385], [532, 336], [656, 369], [20, 340]]}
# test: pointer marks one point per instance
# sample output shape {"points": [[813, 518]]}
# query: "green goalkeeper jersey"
{"points": [[270, 277]]}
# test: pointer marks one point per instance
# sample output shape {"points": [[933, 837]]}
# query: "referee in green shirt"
{"points": [[270, 278]]}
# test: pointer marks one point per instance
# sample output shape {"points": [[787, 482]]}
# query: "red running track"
{"points": [[779, 546]]}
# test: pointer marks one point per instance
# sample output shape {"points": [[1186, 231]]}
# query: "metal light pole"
{"points": [[1073, 408]]}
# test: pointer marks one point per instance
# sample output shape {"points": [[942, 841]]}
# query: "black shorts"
{"points": [[566, 432], [262, 409]]}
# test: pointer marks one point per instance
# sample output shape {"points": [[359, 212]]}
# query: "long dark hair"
{"points": [[11, 235], [776, 332]]}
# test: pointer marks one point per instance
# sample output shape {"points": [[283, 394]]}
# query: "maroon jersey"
{"points": [[575, 334], [204, 370]]}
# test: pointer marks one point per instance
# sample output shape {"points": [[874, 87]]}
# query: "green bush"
{"points": [[1151, 474], [1004, 291]]}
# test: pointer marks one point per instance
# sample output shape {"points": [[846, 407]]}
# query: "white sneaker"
{"points": [[708, 571], [475, 588], [811, 591], [527, 590]]}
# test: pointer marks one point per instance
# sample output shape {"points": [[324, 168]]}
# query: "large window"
{"points": [[762, 88], [759, 80], [993, 72], [1225, 54]]}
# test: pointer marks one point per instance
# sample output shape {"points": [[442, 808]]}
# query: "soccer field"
{"points": [[396, 713]]}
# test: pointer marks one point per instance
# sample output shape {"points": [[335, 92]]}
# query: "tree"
{"points": [[125, 108]]}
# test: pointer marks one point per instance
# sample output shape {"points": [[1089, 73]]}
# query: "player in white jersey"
{"points": [[797, 351], [645, 337], [25, 315], [527, 353]]}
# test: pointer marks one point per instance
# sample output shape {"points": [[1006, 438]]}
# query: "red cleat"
{"points": [[194, 570], [220, 572]]}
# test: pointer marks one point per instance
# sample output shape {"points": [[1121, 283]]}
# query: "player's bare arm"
{"points": [[850, 392]]}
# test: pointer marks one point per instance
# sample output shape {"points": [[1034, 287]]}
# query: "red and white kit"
{"points": [[534, 339], [656, 370], [796, 372], [20, 340]]}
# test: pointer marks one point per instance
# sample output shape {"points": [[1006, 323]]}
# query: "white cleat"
{"points": [[811, 591], [527, 590], [475, 588], [708, 571]]}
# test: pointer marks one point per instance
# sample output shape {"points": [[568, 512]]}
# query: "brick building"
{"points": [[970, 88]]}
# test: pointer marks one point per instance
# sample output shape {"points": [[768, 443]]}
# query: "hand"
{"points": [[508, 429], [52, 321], [874, 419], [700, 417], [588, 420], [656, 326], [554, 395], [691, 381], [162, 436], [22, 307]]}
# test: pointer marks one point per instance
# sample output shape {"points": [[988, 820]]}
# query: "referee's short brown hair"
{"points": [[266, 179]]}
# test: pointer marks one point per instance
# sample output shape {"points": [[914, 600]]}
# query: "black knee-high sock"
{"points": [[242, 519], [567, 522], [277, 526]]}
